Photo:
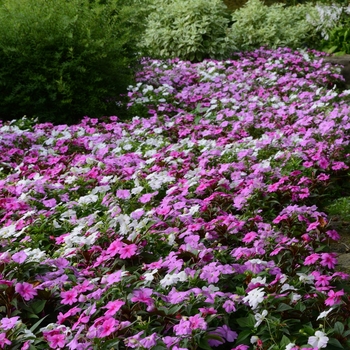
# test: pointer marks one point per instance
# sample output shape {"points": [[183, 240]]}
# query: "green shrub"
{"points": [[191, 30], [257, 25], [63, 59]]}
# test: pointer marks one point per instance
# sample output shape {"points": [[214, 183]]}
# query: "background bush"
{"points": [[257, 25], [191, 30], [63, 59]]}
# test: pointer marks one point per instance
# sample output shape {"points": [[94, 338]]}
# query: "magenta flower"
{"points": [[113, 307], [70, 297], [56, 340], [109, 326], [147, 197], [329, 260], [4, 341], [26, 290], [334, 297], [311, 259], [127, 251]]}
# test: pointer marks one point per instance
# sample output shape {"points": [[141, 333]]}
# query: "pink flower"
{"points": [[70, 297], [311, 259], [19, 257], [198, 322], [26, 290], [333, 235], [183, 328], [147, 197], [56, 340], [128, 251], [8, 323], [113, 307], [115, 247], [142, 295], [26, 345], [249, 237], [123, 194], [4, 341], [334, 297], [108, 327], [149, 342], [329, 260]]}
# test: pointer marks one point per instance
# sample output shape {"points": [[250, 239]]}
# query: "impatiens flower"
{"points": [[4, 341], [329, 260], [183, 328], [149, 342], [142, 295], [334, 297], [311, 259], [123, 194], [19, 257], [26, 290], [8, 323], [260, 317], [56, 341], [324, 314], [108, 327], [197, 322], [254, 297], [127, 251], [113, 307], [319, 340], [70, 297]]}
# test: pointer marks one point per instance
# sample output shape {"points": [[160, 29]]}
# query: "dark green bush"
{"points": [[63, 59]]}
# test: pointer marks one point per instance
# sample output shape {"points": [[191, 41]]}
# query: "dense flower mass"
{"points": [[193, 226]]}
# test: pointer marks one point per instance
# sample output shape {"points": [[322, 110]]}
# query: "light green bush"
{"points": [[257, 25], [63, 59], [191, 30]]}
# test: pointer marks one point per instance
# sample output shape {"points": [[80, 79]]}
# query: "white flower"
{"points": [[90, 198], [254, 339], [149, 276], [309, 279], [324, 313], [254, 297], [260, 317], [289, 346], [319, 340]]}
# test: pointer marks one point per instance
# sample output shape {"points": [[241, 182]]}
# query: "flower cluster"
{"points": [[194, 226]]}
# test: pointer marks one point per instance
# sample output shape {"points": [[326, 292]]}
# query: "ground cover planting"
{"points": [[196, 225]]}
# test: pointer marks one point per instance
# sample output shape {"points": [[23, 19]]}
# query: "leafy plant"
{"points": [[257, 25], [191, 30], [61, 60]]}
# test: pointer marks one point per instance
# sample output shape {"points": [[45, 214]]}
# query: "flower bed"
{"points": [[194, 228]]}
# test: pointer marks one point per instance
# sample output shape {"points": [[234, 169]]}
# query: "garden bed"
{"points": [[196, 225]]}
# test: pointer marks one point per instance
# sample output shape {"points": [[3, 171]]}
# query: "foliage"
{"points": [[257, 25], [191, 30], [61, 60], [196, 228]]}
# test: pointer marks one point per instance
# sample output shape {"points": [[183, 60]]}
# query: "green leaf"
{"points": [[38, 306], [283, 307], [284, 341], [35, 325], [335, 342], [247, 321], [339, 328], [243, 335]]}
